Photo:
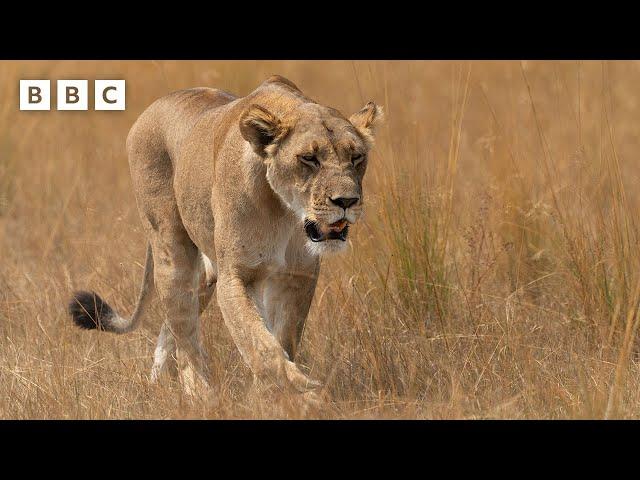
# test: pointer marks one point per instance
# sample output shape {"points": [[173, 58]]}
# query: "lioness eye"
{"points": [[310, 160], [356, 158]]}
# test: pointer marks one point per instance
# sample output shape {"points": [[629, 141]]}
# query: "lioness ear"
{"points": [[366, 120], [260, 128]]}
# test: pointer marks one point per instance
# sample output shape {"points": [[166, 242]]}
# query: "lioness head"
{"points": [[316, 160]]}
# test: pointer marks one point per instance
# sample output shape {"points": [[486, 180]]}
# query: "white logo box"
{"points": [[73, 95]]}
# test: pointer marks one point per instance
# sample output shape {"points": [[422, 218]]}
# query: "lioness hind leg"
{"points": [[177, 275], [176, 258], [165, 355], [208, 279]]}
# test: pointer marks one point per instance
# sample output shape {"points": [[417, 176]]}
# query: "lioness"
{"points": [[241, 195]]}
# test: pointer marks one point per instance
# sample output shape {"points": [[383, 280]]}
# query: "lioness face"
{"points": [[316, 160]]}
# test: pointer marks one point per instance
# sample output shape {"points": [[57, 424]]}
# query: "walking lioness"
{"points": [[241, 196]]}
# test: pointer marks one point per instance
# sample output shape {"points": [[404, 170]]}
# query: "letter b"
{"points": [[35, 95], [73, 95]]}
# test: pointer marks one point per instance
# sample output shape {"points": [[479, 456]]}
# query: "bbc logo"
{"points": [[72, 95]]}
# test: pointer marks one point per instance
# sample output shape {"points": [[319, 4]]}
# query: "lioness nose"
{"points": [[344, 202]]}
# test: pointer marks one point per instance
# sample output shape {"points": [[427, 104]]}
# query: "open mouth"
{"points": [[318, 232]]}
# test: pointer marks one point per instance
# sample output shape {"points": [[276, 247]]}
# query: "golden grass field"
{"points": [[495, 273]]}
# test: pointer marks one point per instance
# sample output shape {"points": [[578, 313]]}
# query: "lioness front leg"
{"points": [[258, 347], [287, 298]]}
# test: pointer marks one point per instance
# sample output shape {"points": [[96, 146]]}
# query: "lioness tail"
{"points": [[89, 311]]}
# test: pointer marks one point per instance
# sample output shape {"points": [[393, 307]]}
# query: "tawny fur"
{"points": [[223, 195]]}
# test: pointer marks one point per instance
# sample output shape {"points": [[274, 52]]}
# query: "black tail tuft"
{"points": [[90, 311]]}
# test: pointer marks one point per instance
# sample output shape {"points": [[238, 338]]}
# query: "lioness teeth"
{"points": [[338, 226]]}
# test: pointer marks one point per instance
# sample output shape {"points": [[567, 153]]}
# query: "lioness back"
{"points": [[168, 120]]}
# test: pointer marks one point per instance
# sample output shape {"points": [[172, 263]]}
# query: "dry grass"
{"points": [[495, 273]]}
